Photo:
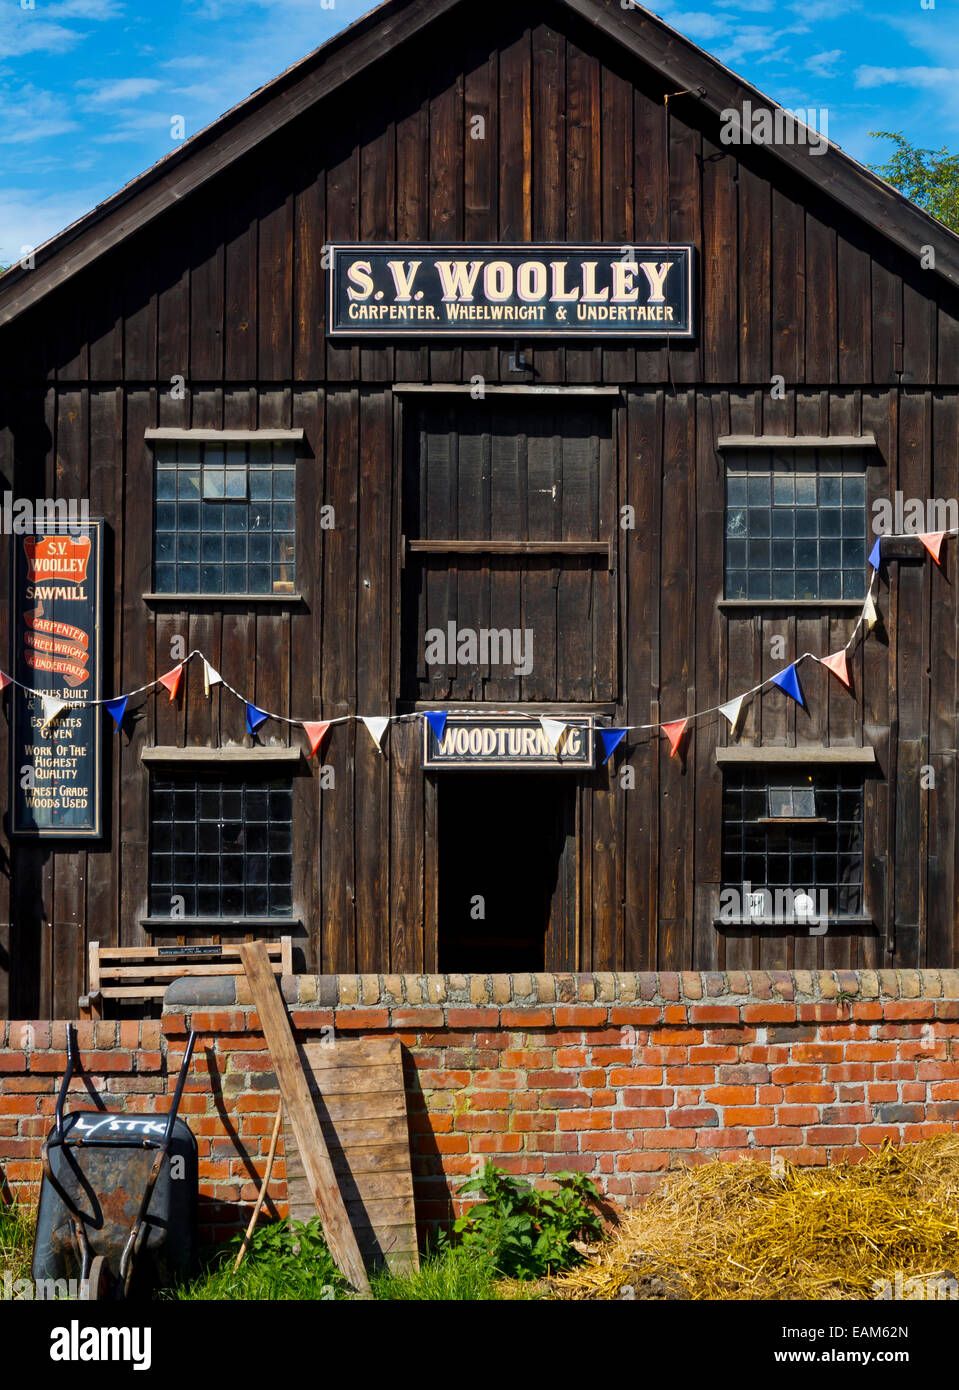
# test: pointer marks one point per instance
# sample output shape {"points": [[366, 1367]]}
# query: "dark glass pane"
{"points": [[212, 516], [165, 579], [258, 900], [830, 554]]}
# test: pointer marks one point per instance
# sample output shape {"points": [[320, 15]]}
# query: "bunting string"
{"points": [[553, 726]]}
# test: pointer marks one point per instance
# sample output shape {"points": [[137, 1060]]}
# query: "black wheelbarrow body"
{"points": [[118, 1202]]}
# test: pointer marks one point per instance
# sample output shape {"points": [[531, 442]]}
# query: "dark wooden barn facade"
{"points": [[196, 300]]}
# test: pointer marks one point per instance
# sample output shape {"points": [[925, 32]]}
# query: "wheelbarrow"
{"points": [[118, 1201]]}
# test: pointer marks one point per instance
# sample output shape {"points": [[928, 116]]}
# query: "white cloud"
{"points": [[32, 114], [698, 25], [824, 64], [121, 90], [27, 219], [46, 29], [867, 76]]}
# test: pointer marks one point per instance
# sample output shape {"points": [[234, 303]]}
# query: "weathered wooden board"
{"points": [[358, 1091], [301, 1117]]}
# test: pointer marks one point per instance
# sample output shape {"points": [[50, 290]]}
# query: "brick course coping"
{"points": [[664, 987]]}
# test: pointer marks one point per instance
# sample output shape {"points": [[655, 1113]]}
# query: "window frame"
{"points": [[841, 462], [203, 439], [253, 768], [770, 769]]}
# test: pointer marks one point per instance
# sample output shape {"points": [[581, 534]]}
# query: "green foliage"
{"points": [[929, 177], [279, 1263], [449, 1273], [526, 1232], [16, 1239]]}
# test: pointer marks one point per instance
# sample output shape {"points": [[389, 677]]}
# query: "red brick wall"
{"points": [[619, 1076]]}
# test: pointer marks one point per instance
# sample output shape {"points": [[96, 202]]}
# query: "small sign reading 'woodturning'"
{"points": [[506, 742]]}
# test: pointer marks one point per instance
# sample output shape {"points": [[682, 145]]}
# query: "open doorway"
{"points": [[506, 872]]}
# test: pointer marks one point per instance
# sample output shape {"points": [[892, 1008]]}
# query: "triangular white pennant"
{"points": [[732, 710], [376, 724], [869, 612], [52, 709], [554, 729], [210, 678]]}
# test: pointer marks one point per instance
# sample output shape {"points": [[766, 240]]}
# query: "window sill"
{"points": [[851, 605], [165, 755], [830, 923], [797, 753], [219, 926], [294, 600]]}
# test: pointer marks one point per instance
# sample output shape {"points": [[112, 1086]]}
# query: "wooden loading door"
{"points": [[508, 520]]}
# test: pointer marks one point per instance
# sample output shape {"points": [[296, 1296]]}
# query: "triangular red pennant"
{"points": [[674, 732], [839, 666], [315, 732], [933, 540], [4, 680], [171, 681]]}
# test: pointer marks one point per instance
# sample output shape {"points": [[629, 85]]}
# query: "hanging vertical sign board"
{"points": [[57, 600], [488, 291], [521, 744]]}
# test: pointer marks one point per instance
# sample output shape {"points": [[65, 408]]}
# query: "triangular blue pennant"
{"points": [[254, 717], [436, 718], [875, 553], [611, 738], [116, 709], [788, 680]]}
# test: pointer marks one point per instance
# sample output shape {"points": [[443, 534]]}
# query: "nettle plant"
{"points": [[527, 1232]]}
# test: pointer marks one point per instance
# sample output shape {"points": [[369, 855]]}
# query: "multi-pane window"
{"points": [[796, 525], [224, 519], [797, 830], [221, 846]]}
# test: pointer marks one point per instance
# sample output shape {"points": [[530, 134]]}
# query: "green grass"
{"points": [[16, 1239], [281, 1265]]}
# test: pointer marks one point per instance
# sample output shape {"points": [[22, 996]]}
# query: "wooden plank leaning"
{"points": [[302, 1116]]}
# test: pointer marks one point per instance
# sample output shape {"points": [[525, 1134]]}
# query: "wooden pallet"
{"points": [[357, 1087], [138, 973]]}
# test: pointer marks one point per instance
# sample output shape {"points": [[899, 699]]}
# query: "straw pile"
{"points": [[742, 1231]]}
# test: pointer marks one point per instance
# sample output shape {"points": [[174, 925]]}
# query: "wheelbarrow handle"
{"points": [[72, 1066], [180, 1083]]}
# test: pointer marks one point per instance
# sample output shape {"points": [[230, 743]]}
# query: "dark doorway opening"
{"points": [[506, 872]]}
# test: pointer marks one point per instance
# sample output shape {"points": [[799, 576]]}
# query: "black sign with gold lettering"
{"points": [[55, 769], [508, 742], [554, 290]]}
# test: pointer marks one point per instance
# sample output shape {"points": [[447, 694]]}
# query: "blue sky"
{"points": [[88, 87]]}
